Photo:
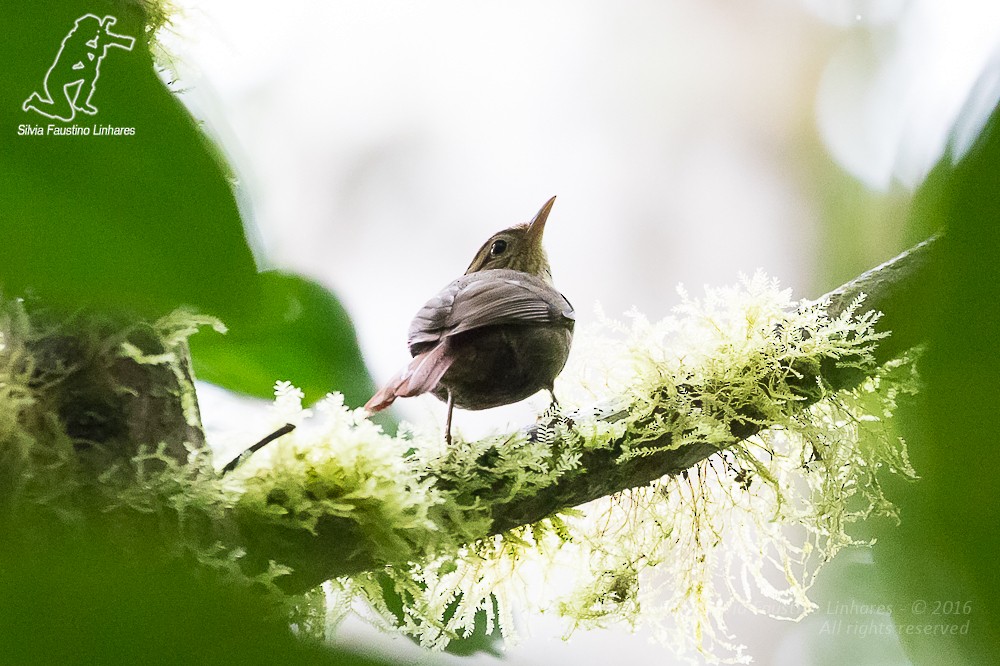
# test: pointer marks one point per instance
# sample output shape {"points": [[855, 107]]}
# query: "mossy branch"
{"points": [[337, 546], [731, 407]]}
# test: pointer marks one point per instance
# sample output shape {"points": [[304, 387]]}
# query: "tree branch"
{"points": [[338, 548], [110, 402]]}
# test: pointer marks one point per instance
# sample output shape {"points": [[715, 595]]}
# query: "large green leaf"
{"points": [[942, 560], [297, 331], [139, 222], [145, 222], [109, 596]]}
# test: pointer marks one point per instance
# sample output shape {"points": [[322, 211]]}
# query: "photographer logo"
{"points": [[71, 81]]}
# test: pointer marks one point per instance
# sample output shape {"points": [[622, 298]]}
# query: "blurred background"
{"points": [[376, 145]]}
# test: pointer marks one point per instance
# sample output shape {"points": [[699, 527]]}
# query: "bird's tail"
{"points": [[420, 376]]}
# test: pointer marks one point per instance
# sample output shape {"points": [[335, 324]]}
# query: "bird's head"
{"points": [[517, 248]]}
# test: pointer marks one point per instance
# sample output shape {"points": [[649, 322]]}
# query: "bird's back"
{"points": [[488, 298]]}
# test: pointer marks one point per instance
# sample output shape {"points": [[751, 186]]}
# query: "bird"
{"points": [[497, 335]]}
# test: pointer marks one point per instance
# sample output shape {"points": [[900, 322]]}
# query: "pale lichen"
{"points": [[345, 467]]}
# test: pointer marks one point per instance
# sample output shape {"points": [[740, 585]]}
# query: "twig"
{"points": [[235, 462]]}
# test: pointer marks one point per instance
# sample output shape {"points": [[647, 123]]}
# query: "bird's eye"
{"points": [[498, 248]]}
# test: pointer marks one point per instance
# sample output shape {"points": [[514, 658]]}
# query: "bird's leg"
{"points": [[447, 420], [554, 405], [553, 412]]}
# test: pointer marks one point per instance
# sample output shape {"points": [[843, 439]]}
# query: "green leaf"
{"points": [[479, 641], [141, 222], [942, 560], [297, 331], [146, 222], [110, 596]]}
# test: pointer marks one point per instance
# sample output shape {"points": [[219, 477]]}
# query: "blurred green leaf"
{"points": [[110, 597], [147, 222], [139, 223], [479, 641], [942, 560], [297, 331]]}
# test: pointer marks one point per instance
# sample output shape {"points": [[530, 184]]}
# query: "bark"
{"points": [[108, 402]]}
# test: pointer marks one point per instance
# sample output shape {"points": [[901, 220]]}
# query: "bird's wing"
{"points": [[488, 298], [510, 297], [430, 323]]}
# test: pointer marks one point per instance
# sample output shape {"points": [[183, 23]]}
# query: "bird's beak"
{"points": [[537, 225]]}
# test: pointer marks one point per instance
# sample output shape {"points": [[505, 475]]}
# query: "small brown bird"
{"points": [[496, 335]]}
